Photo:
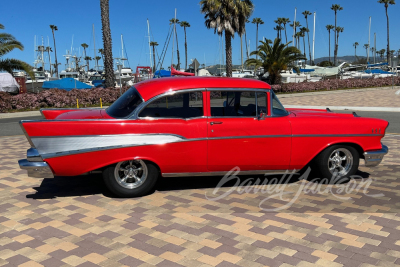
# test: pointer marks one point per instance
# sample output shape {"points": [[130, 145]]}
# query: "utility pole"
{"points": [[374, 47], [313, 46], [369, 40], [94, 52]]}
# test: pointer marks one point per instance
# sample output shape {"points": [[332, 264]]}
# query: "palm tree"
{"points": [[298, 36], [7, 44], [101, 51], [54, 28], [185, 25], [276, 28], [295, 25], [373, 54], [284, 22], [338, 30], [381, 53], [154, 44], [84, 45], [87, 61], [279, 21], [107, 43], [329, 28], [48, 50], [355, 49], [175, 21], [336, 8], [245, 40], [227, 16], [387, 3], [306, 14], [97, 58], [257, 21], [275, 58], [303, 32], [366, 46]]}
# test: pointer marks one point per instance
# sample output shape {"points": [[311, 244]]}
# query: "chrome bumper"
{"points": [[374, 158], [35, 166]]}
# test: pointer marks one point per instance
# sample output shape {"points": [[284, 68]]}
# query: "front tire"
{"points": [[132, 178], [337, 163]]}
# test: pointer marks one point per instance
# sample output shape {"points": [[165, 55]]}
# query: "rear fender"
{"points": [[52, 113]]}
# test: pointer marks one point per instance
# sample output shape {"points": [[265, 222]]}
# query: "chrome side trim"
{"points": [[36, 169], [374, 158], [221, 173], [155, 119], [33, 155], [238, 89], [335, 135]]}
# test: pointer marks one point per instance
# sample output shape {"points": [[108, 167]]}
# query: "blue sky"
{"points": [[25, 19]]}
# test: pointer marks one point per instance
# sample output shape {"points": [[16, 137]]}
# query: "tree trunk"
{"points": [[304, 44], [48, 52], [330, 46], [388, 45], [178, 66], [247, 51], [107, 43], [55, 53], [154, 59], [309, 46], [184, 28], [228, 50], [285, 33], [335, 50], [256, 41]]}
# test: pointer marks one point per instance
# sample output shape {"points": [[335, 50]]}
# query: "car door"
{"points": [[180, 127], [239, 137]]}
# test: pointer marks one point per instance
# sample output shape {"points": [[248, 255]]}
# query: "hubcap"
{"points": [[130, 174], [340, 162]]}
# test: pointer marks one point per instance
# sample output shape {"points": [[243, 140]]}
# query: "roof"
{"points": [[153, 87]]}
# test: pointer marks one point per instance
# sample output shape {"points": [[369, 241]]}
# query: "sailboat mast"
{"points": [[173, 42], [122, 49], [94, 52], [313, 45], [294, 25], [369, 39], [148, 33], [374, 47], [241, 49]]}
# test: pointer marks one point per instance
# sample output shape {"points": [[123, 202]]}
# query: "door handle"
{"points": [[215, 122]]}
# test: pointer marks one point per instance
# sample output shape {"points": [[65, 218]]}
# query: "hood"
{"points": [[83, 114]]}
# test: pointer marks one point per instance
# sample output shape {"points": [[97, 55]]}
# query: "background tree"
{"points": [[329, 28], [276, 28], [88, 59], [284, 22], [107, 43], [97, 58], [7, 44], [336, 8], [85, 45], [257, 21], [54, 28], [355, 49], [275, 58], [279, 23], [295, 25], [303, 32], [154, 44], [381, 53], [101, 51], [366, 46], [338, 30], [176, 21], [306, 14], [48, 50], [185, 25], [387, 3], [227, 16], [373, 54]]}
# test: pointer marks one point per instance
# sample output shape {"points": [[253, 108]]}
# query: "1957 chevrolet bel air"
{"points": [[193, 126]]}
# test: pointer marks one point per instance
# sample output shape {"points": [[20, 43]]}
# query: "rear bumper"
{"points": [[35, 166], [374, 158]]}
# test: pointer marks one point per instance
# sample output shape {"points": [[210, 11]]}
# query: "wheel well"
{"points": [[155, 164], [357, 147]]}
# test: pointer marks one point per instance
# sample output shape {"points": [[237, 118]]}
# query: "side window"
{"points": [[181, 105], [261, 102], [236, 103]]}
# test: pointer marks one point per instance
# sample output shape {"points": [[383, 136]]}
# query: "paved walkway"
{"points": [[73, 221], [351, 98]]}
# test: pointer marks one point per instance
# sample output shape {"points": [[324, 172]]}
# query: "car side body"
{"points": [[212, 134]]}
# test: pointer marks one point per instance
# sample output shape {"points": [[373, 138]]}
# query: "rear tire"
{"points": [[337, 163], [133, 178]]}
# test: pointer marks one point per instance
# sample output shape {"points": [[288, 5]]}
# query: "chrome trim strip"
{"points": [[33, 155], [109, 135], [221, 173], [335, 135], [154, 119], [36, 169], [238, 89], [135, 114], [25, 133], [374, 158]]}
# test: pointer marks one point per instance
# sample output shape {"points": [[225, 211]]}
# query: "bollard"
{"points": [[101, 104], [77, 103]]}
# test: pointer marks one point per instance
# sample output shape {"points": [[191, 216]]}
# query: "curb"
{"points": [[384, 109], [20, 114]]}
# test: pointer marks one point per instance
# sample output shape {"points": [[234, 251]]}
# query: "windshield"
{"points": [[277, 107], [125, 105]]}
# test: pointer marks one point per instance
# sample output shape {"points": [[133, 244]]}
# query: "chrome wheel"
{"points": [[131, 174], [340, 161]]}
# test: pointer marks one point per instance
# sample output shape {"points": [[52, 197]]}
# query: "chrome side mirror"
{"points": [[262, 115]]}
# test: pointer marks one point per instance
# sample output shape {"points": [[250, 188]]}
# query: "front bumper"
{"points": [[374, 158], [35, 166]]}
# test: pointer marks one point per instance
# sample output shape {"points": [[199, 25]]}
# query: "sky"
{"points": [[26, 19]]}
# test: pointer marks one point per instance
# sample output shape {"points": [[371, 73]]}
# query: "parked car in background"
{"points": [[192, 126]]}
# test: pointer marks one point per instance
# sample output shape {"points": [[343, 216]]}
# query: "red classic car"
{"points": [[193, 126]]}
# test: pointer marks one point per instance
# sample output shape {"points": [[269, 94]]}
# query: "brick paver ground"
{"points": [[353, 98], [74, 221]]}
